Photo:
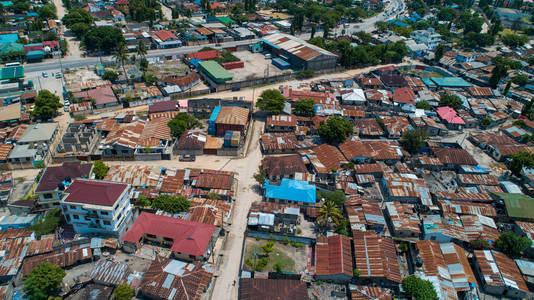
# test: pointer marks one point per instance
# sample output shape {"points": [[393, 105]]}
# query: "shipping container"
{"points": [[212, 128], [233, 65], [228, 139], [281, 64]]}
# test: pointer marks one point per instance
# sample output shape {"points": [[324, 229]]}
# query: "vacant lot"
{"points": [[283, 257], [256, 66]]}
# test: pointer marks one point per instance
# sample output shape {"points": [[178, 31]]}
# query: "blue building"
{"points": [[16, 222], [290, 191]]}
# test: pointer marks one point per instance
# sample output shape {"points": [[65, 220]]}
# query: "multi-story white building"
{"points": [[97, 207], [428, 37]]}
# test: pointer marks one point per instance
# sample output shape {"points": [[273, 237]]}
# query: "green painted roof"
{"points": [[518, 205], [11, 72], [215, 70], [225, 20], [451, 81]]}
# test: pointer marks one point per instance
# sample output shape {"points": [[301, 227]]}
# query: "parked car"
{"points": [[187, 157], [45, 74], [66, 108], [59, 75]]}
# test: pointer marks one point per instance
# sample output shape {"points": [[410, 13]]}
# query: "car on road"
{"points": [[66, 108], [187, 157], [45, 74], [59, 75]]}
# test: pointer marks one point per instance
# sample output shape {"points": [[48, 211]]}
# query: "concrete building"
{"points": [[428, 37], [97, 207]]}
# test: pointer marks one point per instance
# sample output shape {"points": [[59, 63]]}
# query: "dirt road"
{"points": [[73, 45]]}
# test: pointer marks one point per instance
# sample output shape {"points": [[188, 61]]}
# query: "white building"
{"points": [[428, 37], [97, 207]]}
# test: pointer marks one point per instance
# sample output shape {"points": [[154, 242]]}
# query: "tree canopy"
{"points": [[123, 292], [46, 105], [335, 129], [48, 224], [47, 12], [519, 160], [303, 107], [423, 104], [78, 15], [110, 75], [514, 40], [182, 122], [338, 197], [100, 169], [43, 281], [512, 244], [450, 100], [105, 38], [419, 288], [413, 140], [172, 204], [271, 101]]}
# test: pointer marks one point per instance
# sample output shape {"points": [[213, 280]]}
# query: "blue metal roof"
{"points": [[8, 38], [292, 190], [451, 81], [215, 114]]}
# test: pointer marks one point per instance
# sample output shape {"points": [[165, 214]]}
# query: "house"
{"points": [[499, 274], [56, 179], [395, 126], [38, 134], [191, 142], [286, 166], [282, 143], [393, 80], [365, 214], [262, 289], [403, 219], [10, 114], [428, 37], [164, 39], [231, 118], [453, 158], [273, 217], [376, 259], [163, 106], [365, 292], [446, 267], [463, 56], [290, 191], [368, 128], [173, 84], [189, 241], [97, 207], [406, 188], [281, 123], [404, 98], [324, 159], [451, 119], [333, 258], [171, 279], [353, 97], [367, 151], [526, 229], [102, 96]]}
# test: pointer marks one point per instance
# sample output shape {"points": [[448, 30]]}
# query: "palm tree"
{"points": [[329, 213], [121, 55], [141, 49]]}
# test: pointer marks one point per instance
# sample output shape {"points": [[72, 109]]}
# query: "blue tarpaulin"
{"points": [[291, 190]]}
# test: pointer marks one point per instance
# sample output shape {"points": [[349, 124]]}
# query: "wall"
{"points": [[147, 156], [146, 102]]}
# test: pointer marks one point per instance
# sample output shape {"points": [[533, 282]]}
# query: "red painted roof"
{"points": [[54, 175], [188, 237], [449, 115], [165, 35], [51, 44], [95, 192], [122, 2], [204, 55], [404, 95]]}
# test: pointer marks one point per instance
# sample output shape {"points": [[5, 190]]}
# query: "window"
{"points": [[151, 236], [75, 217], [48, 196], [107, 223], [104, 213], [72, 207]]}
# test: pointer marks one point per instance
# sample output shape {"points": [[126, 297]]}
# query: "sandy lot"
{"points": [[256, 66]]}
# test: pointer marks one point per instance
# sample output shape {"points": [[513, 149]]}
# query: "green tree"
{"points": [[121, 55], [450, 100], [260, 176], [268, 247], [142, 201], [486, 121], [447, 14], [182, 122], [48, 224], [423, 104], [80, 29], [507, 87], [47, 12], [338, 197], [479, 244], [110, 75], [438, 54], [78, 15], [103, 39], [271, 101], [419, 289], [329, 213], [44, 280], [413, 140], [141, 49], [520, 79], [303, 107], [512, 244], [172, 204], [519, 123], [279, 266], [356, 273], [46, 105], [514, 40], [100, 169], [143, 64], [213, 196], [519, 160], [123, 292], [335, 129]]}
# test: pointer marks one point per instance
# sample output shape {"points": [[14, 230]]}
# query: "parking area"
{"points": [[256, 66]]}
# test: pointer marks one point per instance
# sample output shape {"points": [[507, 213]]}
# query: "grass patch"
{"points": [[275, 260], [225, 57], [48, 224]]}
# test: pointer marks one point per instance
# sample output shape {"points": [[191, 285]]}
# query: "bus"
{"points": [[15, 64]]}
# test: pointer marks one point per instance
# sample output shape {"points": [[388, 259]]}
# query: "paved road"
{"points": [[394, 8], [78, 62]]}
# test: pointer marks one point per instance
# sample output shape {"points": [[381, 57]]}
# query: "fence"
{"points": [[148, 102], [190, 93], [280, 237]]}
